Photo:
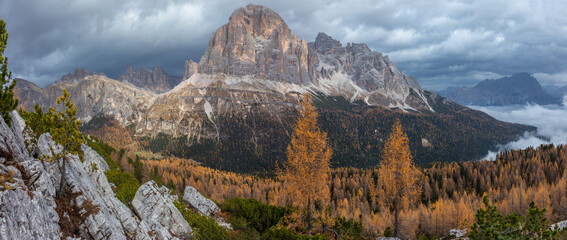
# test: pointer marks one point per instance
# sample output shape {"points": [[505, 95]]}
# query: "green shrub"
{"points": [[126, 184], [260, 216], [7, 100], [348, 229], [204, 228], [104, 150]]}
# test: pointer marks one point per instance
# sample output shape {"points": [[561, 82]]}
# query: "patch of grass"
{"points": [[126, 185]]}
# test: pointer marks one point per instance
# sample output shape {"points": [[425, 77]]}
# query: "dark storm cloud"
{"points": [[441, 43]]}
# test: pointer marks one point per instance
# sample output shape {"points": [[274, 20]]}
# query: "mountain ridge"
{"points": [[243, 95]]}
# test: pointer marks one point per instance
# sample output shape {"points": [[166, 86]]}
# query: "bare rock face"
{"points": [[75, 76], [23, 217], [28, 93], [25, 212], [256, 41], [156, 81], [154, 206], [205, 206], [190, 69], [98, 94], [357, 72], [95, 166]]}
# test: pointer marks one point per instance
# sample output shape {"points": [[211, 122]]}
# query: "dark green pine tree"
{"points": [[65, 131], [490, 224], [535, 226], [7, 101]]}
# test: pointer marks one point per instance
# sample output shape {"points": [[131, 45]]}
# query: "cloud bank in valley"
{"points": [[549, 120]]}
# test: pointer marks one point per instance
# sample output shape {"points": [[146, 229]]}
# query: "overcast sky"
{"points": [[441, 43]]}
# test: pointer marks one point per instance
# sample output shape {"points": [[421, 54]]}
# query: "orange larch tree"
{"points": [[398, 184], [306, 172]]}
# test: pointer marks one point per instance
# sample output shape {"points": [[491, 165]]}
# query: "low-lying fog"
{"points": [[550, 120]]}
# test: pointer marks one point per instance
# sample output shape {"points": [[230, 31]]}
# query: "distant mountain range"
{"points": [[520, 88], [236, 107]]}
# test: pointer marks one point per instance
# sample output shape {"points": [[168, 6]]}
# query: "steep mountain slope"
{"points": [[520, 88], [235, 108]]}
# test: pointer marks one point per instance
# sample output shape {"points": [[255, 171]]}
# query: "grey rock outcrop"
{"points": [[95, 166], [458, 233], [25, 212], [559, 226], [205, 206], [154, 206], [28, 188], [26, 217]]}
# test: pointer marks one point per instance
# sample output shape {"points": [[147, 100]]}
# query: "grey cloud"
{"points": [[441, 43]]}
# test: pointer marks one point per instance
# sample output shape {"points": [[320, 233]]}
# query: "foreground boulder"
{"points": [[194, 199], [86, 208], [560, 225], [154, 205]]}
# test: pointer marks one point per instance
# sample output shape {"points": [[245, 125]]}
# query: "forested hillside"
{"points": [[452, 192], [255, 142]]}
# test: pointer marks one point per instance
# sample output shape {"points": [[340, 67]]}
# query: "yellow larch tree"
{"points": [[398, 184], [306, 172]]}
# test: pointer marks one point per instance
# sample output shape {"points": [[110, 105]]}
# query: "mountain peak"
{"points": [[129, 69], [258, 20], [324, 43], [256, 41], [78, 74]]}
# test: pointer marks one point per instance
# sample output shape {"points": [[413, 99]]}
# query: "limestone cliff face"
{"points": [[156, 81], [190, 69], [256, 41], [358, 73]]}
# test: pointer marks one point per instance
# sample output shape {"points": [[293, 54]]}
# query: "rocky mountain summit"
{"points": [[29, 187], [257, 43], [520, 88]]}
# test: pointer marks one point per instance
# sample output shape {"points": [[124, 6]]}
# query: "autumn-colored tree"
{"points": [[398, 184], [7, 101], [306, 172]]}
